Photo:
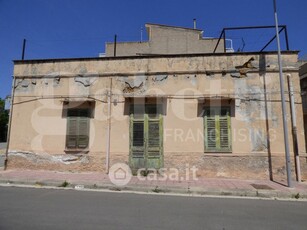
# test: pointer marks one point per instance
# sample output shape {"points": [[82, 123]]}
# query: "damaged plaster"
{"points": [[251, 101], [56, 81], [159, 78], [252, 64], [25, 85], [251, 108], [136, 81], [259, 140], [242, 70], [86, 80], [46, 158], [134, 84]]}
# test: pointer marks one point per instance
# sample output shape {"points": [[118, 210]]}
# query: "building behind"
{"points": [[164, 39]]}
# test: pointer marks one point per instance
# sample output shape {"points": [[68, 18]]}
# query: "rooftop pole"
{"points": [[115, 43], [283, 104], [23, 49]]}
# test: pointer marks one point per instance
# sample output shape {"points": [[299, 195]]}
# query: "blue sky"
{"points": [[79, 28]]}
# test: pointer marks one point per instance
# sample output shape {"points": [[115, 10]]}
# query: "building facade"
{"points": [[219, 112]]}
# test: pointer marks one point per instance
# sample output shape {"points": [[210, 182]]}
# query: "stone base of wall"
{"points": [[234, 166], [208, 166]]}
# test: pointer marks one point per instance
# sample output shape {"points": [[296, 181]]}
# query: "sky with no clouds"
{"points": [[80, 28]]}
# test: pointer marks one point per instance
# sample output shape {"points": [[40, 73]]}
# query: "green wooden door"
{"points": [[217, 129], [146, 137]]}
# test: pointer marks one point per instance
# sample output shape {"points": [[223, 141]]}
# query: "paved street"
{"points": [[208, 186], [27, 208]]}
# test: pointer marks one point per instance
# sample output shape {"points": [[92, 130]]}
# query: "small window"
{"points": [[77, 136], [217, 129]]}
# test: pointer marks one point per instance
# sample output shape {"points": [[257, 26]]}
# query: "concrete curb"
{"points": [[154, 189]]}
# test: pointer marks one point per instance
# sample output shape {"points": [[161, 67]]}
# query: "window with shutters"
{"points": [[77, 136], [217, 129]]}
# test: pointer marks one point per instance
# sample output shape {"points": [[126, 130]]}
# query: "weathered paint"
{"points": [[257, 136]]}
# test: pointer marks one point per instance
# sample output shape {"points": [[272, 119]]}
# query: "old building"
{"points": [[168, 102]]}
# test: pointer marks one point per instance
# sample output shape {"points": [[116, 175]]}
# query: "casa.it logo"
{"points": [[120, 174]]}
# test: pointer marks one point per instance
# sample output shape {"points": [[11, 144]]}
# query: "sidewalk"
{"points": [[202, 186]]}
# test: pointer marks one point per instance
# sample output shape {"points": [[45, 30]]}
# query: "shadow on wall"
{"points": [[262, 72], [215, 102], [129, 102], [73, 105]]}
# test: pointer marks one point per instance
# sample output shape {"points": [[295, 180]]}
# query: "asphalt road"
{"points": [[26, 208]]}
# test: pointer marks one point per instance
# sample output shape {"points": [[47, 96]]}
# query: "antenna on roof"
{"points": [[194, 22]]}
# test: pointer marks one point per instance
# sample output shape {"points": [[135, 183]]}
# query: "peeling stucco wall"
{"points": [[47, 158], [87, 80], [247, 83]]}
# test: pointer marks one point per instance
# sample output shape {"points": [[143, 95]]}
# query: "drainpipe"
{"points": [[109, 94], [8, 138], [294, 130]]}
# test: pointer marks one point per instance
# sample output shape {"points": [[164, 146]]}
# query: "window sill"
{"points": [[217, 152], [76, 151]]}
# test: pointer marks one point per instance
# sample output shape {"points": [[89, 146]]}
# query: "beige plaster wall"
{"points": [[188, 83]]}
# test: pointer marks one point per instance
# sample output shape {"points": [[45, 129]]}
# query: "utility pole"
{"points": [[283, 103]]}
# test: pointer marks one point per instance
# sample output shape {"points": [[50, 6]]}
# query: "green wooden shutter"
{"points": [[137, 137], [83, 132], [217, 129], [154, 138], [77, 128], [224, 122], [211, 132], [72, 131]]}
